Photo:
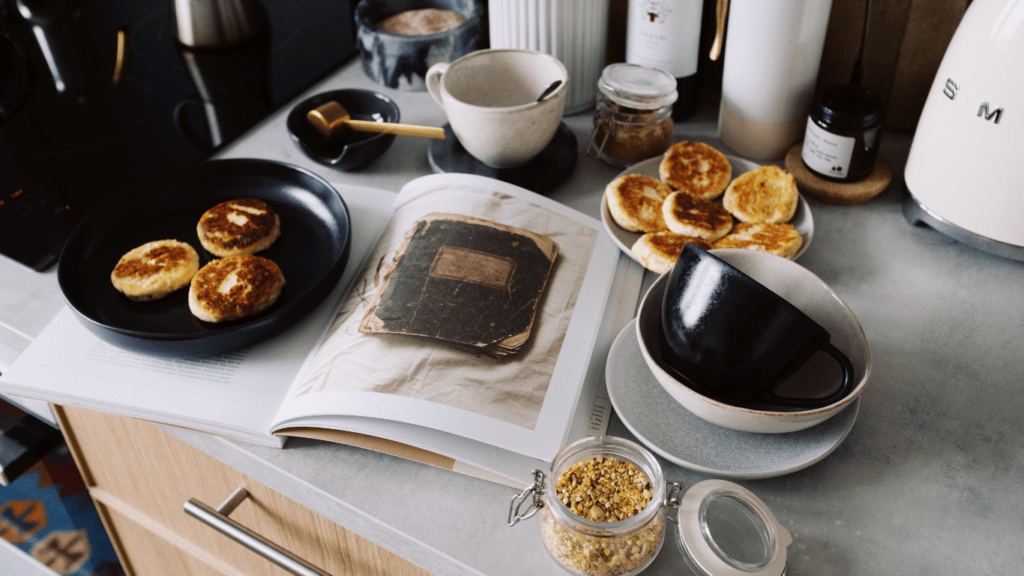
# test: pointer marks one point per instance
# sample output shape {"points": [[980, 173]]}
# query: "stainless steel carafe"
{"points": [[215, 23]]}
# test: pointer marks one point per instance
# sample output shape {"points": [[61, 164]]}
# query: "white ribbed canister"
{"points": [[574, 31]]}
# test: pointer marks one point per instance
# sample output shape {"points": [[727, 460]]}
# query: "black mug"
{"points": [[735, 340]]}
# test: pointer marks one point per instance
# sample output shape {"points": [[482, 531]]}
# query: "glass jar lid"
{"points": [[850, 107], [638, 86], [724, 530]]}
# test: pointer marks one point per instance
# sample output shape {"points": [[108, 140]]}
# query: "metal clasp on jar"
{"points": [[534, 495], [515, 509], [604, 124], [674, 496]]}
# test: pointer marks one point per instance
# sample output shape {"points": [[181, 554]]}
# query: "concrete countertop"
{"points": [[929, 481]]}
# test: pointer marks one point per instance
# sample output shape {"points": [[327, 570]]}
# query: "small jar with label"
{"points": [[633, 116], [843, 134], [602, 507]]}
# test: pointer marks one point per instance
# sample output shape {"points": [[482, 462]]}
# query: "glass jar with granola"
{"points": [[602, 507]]}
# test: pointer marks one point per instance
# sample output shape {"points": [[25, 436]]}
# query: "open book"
{"points": [[494, 418]]}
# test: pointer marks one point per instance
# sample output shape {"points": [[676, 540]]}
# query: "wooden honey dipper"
{"points": [[330, 118]]}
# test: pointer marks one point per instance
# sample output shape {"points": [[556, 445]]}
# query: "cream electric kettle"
{"points": [[965, 172]]}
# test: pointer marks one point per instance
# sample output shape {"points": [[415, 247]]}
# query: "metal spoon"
{"points": [[547, 92]]}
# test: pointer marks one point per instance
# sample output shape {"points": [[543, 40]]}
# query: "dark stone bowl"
{"points": [[401, 61], [353, 149]]}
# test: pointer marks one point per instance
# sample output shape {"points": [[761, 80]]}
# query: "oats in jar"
{"points": [[603, 554], [604, 489]]}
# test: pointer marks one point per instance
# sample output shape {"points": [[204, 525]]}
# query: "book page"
{"points": [[473, 458], [235, 394], [522, 403]]}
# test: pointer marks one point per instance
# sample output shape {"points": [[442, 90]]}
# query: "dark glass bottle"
{"points": [[844, 131]]}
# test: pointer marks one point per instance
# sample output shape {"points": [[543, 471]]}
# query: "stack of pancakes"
{"points": [[235, 284], [239, 284], [679, 208]]}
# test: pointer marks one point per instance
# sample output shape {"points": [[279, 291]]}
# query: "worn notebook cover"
{"points": [[470, 283]]}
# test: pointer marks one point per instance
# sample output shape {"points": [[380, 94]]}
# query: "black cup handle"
{"points": [[847, 386]]}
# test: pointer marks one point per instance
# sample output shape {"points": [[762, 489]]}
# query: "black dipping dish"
{"points": [[312, 253], [351, 150]]}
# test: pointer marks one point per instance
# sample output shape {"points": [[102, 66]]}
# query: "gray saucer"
{"points": [[550, 168], [673, 432]]}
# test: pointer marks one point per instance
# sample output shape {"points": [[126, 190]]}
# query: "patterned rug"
{"points": [[47, 513]]}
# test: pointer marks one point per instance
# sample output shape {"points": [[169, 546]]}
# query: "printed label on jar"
{"points": [[826, 153]]}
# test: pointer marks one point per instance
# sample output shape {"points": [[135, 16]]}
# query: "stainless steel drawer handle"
{"points": [[219, 521]]}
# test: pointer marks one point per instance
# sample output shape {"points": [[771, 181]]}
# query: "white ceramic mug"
{"points": [[490, 97]]}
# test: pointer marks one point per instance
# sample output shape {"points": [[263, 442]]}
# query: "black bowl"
{"points": [[352, 149]]}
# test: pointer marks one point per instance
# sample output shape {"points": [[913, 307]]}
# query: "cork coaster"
{"points": [[843, 194]]}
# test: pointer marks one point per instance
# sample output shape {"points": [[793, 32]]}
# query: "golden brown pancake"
{"points": [[155, 269], [692, 216], [695, 168], [635, 200], [658, 251], [234, 287], [780, 239], [765, 194], [242, 226]]}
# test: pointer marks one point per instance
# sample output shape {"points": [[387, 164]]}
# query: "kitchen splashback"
{"points": [[97, 94]]}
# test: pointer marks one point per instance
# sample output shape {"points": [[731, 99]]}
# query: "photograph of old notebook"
{"points": [[467, 282]]}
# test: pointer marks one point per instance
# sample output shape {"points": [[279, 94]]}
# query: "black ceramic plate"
{"points": [[312, 252]]}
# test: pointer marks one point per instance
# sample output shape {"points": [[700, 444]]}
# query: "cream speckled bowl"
{"points": [[808, 293]]}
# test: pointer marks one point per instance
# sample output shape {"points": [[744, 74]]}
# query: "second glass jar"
{"points": [[633, 115]]}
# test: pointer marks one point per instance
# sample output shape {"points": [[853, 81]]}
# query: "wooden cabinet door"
{"points": [[150, 553], [140, 477]]}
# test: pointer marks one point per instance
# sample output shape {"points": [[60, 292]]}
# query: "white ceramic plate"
{"points": [[802, 220], [673, 432]]}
